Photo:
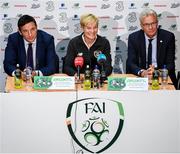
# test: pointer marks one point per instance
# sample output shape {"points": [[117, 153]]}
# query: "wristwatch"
{"points": [[139, 72]]}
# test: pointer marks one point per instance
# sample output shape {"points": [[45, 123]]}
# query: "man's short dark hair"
{"points": [[24, 20]]}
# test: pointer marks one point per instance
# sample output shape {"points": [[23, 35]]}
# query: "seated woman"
{"points": [[89, 44]]}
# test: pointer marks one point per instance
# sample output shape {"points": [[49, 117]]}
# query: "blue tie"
{"points": [[30, 56], [149, 53]]}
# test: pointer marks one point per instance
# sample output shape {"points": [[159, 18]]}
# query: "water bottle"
{"points": [[87, 78], [17, 78], [155, 80], [164, 77], [96, 77], [27, 75]]}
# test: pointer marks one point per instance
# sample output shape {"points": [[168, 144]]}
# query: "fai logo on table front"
{"points": [[94, 123]]}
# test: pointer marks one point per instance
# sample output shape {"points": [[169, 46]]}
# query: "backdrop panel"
{"points": [[35, 122], [151, 121]]}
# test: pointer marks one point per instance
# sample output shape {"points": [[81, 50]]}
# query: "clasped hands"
{"points": [[148, 72]]}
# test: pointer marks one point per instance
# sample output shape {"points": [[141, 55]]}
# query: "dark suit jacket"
{"points": [[165, 52], [45, 53]]}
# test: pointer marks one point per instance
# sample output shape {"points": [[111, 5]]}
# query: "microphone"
{"points": [[101, 59], [78, 62]]}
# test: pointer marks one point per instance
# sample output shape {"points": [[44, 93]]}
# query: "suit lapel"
{"points": [[142, 53], [22, 52], [38, 49], [159, 45]]}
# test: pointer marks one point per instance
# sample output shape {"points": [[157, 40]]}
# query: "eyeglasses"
{"points": [[147, 25]]}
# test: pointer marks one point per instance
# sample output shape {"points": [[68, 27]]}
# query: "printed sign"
{"points": [[54, 82], [127, 83]]}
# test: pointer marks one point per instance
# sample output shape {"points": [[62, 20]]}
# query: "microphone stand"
{"points": [[103, 75], [78, 73]]}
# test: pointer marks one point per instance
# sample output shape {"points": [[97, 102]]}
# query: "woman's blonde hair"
{"points": [[87, 18]]}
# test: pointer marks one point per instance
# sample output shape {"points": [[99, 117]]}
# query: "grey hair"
{"points": [[146, 13]]}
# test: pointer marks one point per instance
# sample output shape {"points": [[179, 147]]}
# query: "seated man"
{"points": [[151, 47], [89, 44], [30, 47]]}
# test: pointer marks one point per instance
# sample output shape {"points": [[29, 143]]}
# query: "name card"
{"points": [[54, 82], [127, 83]]}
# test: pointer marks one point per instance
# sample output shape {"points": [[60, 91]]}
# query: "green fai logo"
{"points": [[42, 82], [95, 123], [116, 83]]}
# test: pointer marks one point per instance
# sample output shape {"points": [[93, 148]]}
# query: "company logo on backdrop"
{"points": [[63, 17], [75, 17], [19, 15], [48, 17], [118, 17], [132, 28], [145, 5], [77, 29], [7, 27], [105, 6], [76, 6], [159, 16], [3, 16], [132, 17], [62, 6], [103, 28], [173, 27], [175, 5], [5, 5], [160, 5], [35, 6], [95, 123], [5, 39], [20, 5], [50, 6], [90, 6], [119, 6], [132, 6], [64, 28]]}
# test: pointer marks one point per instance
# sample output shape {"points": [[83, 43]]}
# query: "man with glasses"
{"points": [[151, 47]]}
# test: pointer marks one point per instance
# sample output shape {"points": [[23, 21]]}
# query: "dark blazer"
{"points": [[45, 53], [76, 45], [165, 52]]}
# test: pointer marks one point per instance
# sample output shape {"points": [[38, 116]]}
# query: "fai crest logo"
{"points": [[95, 123]]}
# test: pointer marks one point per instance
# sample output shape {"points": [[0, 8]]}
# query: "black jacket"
{"points": [[76, 45]]}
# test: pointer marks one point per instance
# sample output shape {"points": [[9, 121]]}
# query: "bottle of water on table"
{"points": [[96, 77], [164, 77]]}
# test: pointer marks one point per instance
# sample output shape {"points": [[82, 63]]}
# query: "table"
{"points": [[10, 84], [35, 122]]}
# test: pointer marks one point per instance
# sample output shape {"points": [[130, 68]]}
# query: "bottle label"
{"points": [[155, 84], [17, 83], [87, 84]]}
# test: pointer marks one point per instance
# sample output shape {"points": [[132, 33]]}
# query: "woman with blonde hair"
{"points": [[88, 44]]}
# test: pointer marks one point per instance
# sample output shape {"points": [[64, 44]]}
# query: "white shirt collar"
{"points": [[26, 42], [86, 43]]}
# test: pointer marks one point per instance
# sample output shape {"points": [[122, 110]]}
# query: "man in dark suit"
{"points": [[151, 47], [29, 38]]}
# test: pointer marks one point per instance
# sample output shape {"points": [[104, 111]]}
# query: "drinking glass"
{"points": [[27, 75]]}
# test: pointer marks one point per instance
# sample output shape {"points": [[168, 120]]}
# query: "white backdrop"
{"points": [[60, 18]]}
